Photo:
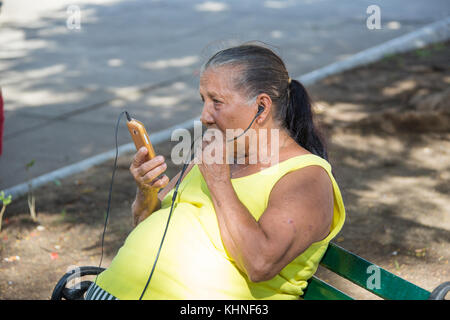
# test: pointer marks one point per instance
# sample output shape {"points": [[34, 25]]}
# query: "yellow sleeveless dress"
{"points": [[193, 263]]}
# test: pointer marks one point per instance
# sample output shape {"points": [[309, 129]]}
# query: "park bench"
{"points": [[367, 276], [336, 259]]}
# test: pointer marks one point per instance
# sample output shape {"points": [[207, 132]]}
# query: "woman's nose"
{"points": [[206, 117]]}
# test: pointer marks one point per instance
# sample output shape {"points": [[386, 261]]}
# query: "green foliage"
{"points": [[4, 200], [426, 52], [423, 53], [65, 217], [438, 46], [29, 164], [390, 56]]}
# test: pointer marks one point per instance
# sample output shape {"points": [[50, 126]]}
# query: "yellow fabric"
{"points": [[193, 263]]}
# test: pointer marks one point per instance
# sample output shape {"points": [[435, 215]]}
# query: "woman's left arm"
{"points": [[299, 213]]}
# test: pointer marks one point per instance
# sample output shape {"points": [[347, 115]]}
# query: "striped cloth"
{"points": [[96, 293]]}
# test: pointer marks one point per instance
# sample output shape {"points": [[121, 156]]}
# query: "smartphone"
{"points": [[140, 136]]}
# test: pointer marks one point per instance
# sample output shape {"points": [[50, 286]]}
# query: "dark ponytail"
{"points": [[297, 117], [260, 70]]}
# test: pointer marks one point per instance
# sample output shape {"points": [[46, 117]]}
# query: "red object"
{"points": [[53, 255], [2, 120]]}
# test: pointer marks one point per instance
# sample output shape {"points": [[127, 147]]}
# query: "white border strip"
{"points": [[434, 32]]}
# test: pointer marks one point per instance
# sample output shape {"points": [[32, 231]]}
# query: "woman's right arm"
{"points": [[144, 205], [145, 173]]}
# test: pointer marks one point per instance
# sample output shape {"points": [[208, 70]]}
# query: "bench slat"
{"points": [[369, 276], [320, 290]]}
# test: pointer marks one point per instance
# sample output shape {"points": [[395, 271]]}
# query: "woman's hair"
{"points": [[256, 70]]}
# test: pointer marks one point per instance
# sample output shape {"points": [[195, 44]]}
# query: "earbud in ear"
{"points": [[260, 110]]}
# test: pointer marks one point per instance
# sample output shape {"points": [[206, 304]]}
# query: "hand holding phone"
{"points": [[146, 168], [139, 135]]}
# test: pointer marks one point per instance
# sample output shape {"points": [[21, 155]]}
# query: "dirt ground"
{"points": [[387, 126]]}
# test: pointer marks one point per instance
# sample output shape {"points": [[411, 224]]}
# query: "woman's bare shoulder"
{"points": [[312, 180]]}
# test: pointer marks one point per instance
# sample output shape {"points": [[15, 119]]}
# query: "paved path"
{"points": [[64, 88]]}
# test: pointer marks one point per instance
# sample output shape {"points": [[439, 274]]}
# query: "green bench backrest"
{"points": [[364, 274]]}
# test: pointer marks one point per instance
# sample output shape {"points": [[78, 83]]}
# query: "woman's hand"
{"points": [[147, 173], [212, 161], [149, 178]]}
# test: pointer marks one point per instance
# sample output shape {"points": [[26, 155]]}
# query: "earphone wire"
{"points": [[110, 193], [260, 110], [174, 196]]}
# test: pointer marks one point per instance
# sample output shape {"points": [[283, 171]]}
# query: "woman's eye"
{"points": [[216, 101]]}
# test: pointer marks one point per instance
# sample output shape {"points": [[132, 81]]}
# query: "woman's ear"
{"points": [[264, 103]]}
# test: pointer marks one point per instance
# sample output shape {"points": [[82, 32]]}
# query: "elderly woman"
{"points": [[245, 230]]}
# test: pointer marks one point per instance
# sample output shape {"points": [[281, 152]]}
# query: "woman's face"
{"points": [[223, 106], [226, 107]]}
